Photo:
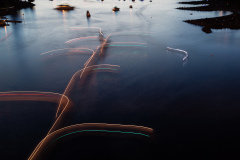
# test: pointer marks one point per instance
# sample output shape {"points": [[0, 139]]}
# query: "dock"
{"points": [[5, 22], [13, 21], [2, 25]]}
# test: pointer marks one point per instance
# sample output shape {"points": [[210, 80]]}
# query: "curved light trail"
{"points": [[124, 33], [67, 90], [134, 33], [178, 50], [31, 96], [126, 44], [34, 96], [76, 76], [79, 73], [55, 134], [82, 28], [82, 38], [73, 49], [89, 127]]}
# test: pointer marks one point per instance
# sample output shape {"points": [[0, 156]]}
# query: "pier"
{"points": [[13, 21], [5, 21]]}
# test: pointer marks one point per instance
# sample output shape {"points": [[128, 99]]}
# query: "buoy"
{"points": [[211, 54], [88, 14]]}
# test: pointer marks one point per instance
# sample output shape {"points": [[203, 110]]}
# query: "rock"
{"points": [[207, 29]]}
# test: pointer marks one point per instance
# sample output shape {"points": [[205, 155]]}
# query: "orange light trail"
{"points": [[67, 90], [54, 134], [74, 49], [87, 126], [33, 96], [1, 95], [81, 72], [77, 51], [129, 33], [127, 42], [103, 44], [82, 28], [68, 86], [134, 33], [82, 38], [94, 53]]}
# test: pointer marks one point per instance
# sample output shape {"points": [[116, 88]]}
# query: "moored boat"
{"points": [[64, 7], [116, 8], [3, 23]]}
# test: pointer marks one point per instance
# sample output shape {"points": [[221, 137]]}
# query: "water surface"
{"points": [[192, 105]]}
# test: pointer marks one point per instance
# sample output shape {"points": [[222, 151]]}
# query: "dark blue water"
{"points": [[192, 105]]}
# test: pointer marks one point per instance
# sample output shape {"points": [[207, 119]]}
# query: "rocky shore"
{"points": [[10, 8], [231, 21], [195, 2]]}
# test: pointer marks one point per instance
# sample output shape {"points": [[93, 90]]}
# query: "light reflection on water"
{"points": [[153, 89]]}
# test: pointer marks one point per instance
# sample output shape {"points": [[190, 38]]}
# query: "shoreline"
{"points": [[13, 8], [230, 21], [194, 2]]}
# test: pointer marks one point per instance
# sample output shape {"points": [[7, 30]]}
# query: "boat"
{"points": [[64, 7], [3, 23], [116, 8]]}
